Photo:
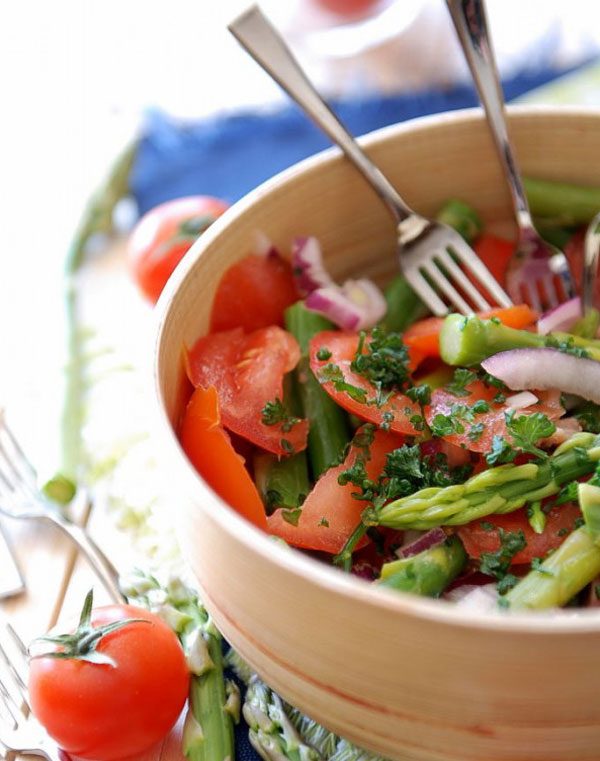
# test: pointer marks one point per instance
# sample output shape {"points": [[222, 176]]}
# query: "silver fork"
{"points": [[21, 499], [433, 257], [20, 732], [536, 266]]}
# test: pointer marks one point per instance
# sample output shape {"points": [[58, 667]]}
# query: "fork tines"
{"points": [[17, 475]]}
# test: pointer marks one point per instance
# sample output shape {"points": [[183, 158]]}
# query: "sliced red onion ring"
{"points": [[546, 369], [307, 265], [520, 400], [429, 539], [333, 304], [562, 317], [263, 246]]}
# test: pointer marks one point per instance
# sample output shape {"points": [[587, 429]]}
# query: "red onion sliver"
{"points": [[546, 369], [430, 539], [331, 303], [520, 400], [307, 265], [561, 318], [366, 295]]}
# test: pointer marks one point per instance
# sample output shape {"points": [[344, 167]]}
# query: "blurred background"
{"points": [[82, 79]]}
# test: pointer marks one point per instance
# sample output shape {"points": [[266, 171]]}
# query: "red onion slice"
{"points": [[521, 400], [333, 304], [307, 265], [562, 317], [546, 369], [429, 539]]}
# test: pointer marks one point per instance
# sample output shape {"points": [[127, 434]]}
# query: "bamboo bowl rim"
{"points": [[548, 623]]}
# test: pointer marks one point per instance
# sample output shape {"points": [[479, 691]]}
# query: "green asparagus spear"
{"points": [[329, 430], [403, 306], [569, 568], [498, 490], [466, 341], [214, 701], [428, 573], [281, 482], [568, 204], [462, 217]]}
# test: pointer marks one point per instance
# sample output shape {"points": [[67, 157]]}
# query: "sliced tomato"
{"points": [[495, 253], [210, 451], [480, 428], [330, 513], [424, 336], [247, 370], [253, 293], [398, 409], [483, 535]]}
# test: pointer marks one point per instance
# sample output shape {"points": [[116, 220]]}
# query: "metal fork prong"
{"points": [[17, 678], [547, 283], [533, 296], [21, 646], [482, 274], [425, 291], [13, 462], [451, 267], [10, 705], [433, 272]]}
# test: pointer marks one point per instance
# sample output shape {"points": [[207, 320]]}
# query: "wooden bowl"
{"points": [[407, 677]]}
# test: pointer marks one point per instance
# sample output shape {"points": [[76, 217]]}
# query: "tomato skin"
{"points": [[247, 371], [158, 242], [424, 336], [559, 522], [209, 448], [342, 346], [495, 253], [347, 7], [333, 502], [104, 713], [253, 293], [493, 421]]}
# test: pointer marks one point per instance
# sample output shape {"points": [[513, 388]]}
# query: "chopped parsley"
{"points": [[497, 564], [459, 418], [537, 565], [588, 416], [324, 522], [333, 374], [524, 431], [292, 516], [420, 394], [287, 446], [275, 413], [383, 360], [323, 354], [566, 346], [462, 378]]}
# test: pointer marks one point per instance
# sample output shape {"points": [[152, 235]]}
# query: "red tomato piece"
{"points": [[560, 521], [253, 293], [330, 513], [106, 713], [443, 402], [348, 7], [247, 370], [424, 335], [210, 451], [495, 253], [399, 408], [162, 236]]}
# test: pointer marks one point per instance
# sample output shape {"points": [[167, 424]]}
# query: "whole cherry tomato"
{"points": [[119, 691], [163, 235]]}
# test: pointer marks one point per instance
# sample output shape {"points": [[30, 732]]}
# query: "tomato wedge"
{"points": [[341, 348], [424, 336], [330, 513], [479, 428], [253, 293], [495, 253], [483, 536], [209, 449], [247, 370]]}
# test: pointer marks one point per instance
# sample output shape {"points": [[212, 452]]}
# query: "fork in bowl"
{"points": [[21, 499], [20, 732], [436, 261], [537, 267]]}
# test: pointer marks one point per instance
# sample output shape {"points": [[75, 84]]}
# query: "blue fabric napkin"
{"points": [[227, 156], [230, 155]]}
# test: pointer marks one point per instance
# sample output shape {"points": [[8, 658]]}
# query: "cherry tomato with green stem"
{"points": [[163, 236]]}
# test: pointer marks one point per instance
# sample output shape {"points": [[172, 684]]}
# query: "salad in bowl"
{"points": [[395, 534]]}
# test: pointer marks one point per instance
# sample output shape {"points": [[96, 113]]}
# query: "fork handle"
{"points": [[262, 41], [470, 22], [101, 565]]}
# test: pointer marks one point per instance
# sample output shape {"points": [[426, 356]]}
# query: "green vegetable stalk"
{"points": [[498, 490], [403, 306], [214, 700], [462, 217], [428, 573], [467, 341], [329, 431], [567, 205], [569, 568]]}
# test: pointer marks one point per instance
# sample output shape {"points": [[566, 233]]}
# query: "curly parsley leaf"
{"points": [[460, 381], [275, 413], [383, 360], [497, 564]]}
